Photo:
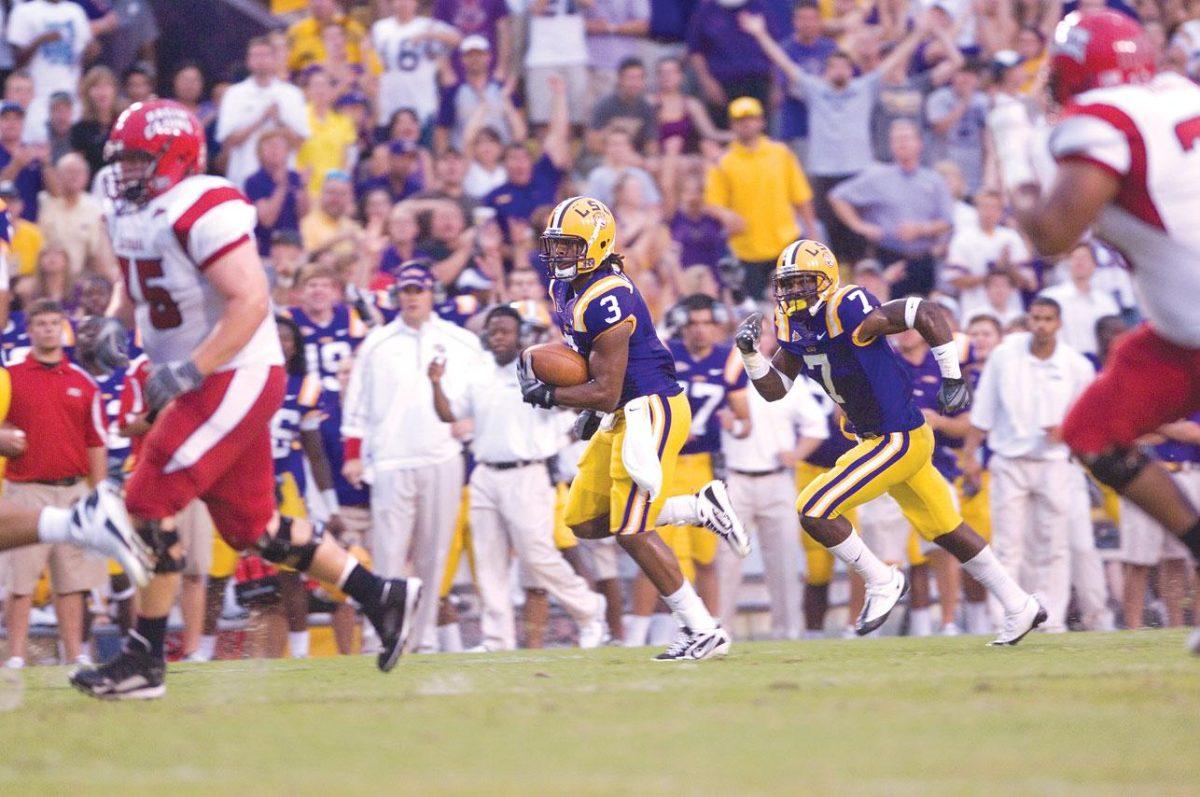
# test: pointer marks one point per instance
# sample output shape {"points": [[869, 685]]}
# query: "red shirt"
{"points": [[133, 402], [59, 408]]}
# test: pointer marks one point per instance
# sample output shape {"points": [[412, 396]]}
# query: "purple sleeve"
{"points": [[258, 186], [95, 9], [695, 32], [446, 115], [607, 310], [854, 307]]}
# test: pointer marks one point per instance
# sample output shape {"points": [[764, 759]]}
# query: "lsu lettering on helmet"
{"points": [[153, 147], [806, 274], [1096, 49], [580, 235]]}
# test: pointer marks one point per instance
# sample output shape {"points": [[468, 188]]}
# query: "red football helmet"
{"points": [[153, 146], [1094, 49]]}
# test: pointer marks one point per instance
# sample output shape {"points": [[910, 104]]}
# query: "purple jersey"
{"points": [[609, 298], [926, 379], [837, 443], [708, 383], [865, 378], [299, 412]]}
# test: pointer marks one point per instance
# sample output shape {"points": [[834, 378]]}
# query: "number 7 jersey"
{"points": [[164, 249], [864, 377]]}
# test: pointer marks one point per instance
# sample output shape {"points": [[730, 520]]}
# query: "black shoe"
{"points": [[133, 675], [392, 618]]}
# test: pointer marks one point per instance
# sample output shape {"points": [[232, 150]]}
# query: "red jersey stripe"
{"points": [[206, 202]]}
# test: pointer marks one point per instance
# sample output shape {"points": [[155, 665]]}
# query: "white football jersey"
{"points": [[164, 249], [410, 65], [1148, 136]]}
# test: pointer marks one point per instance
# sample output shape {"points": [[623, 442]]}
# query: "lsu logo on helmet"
{"points": [[580, 235], [806, 274]]}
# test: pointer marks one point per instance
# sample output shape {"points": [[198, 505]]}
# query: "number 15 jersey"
{"points": [[864, 377]]}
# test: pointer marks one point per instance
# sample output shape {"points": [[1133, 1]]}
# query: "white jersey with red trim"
{"points": [[164, 249], [1148, 136]]}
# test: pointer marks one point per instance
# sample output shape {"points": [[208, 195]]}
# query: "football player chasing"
{"points": [[836, 335], [186, 247], [628, 468]]}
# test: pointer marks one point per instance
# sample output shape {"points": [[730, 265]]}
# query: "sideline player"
{"points": [[628, 468], [186, 246], [1128, 152], [836, 335]]}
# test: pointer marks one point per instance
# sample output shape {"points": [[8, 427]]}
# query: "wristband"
{"points": [[757, 366], [910, 310], [947, 360], [353, 448]]}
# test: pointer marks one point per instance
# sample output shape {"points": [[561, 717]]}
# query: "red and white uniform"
{"points": [[213, 442], [1148, 137]]}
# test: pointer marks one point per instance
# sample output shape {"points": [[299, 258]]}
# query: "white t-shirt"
{"points": [[1080, 312], [479, 182], [242, 105], [56, 66], [973, 252], [409, 79], [557, 36]]}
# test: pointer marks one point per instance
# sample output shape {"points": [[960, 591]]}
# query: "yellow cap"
{"points": [[744, 107]]}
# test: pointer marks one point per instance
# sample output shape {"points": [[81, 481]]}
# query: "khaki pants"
{"points": [[71, 569], [195, 528], [767, 506], [512, 511], [412, 520]]}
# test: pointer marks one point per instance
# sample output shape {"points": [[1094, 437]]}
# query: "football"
{"points": [[557, 364]]}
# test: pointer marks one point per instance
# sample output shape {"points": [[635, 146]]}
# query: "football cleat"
{"points": [[879, 602], [1021, 622], [594, 632], [392, 618], [692, 645], [100, 523], [134, 675], [717, 515]]}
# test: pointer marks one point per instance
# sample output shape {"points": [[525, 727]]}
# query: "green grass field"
{"points": [[1075, 714]]}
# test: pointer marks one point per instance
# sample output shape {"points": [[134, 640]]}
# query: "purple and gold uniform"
{"points": [[301, 411], [866, 379], [605, 301], [119, 448]]}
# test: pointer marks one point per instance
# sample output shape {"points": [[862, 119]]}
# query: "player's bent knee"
{"points": [[1117, 467], [293, 543]]}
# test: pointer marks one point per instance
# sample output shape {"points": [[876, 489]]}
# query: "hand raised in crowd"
{"points": [[754, 24], [895, 272], [872, 232]]}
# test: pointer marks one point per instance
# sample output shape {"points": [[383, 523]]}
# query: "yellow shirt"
{"points": [[287, 6], [762, 185], [305, 47], [318, 228], [26, 245], [326, 146]]}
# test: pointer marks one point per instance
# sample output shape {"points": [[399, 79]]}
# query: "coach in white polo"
{"points": [[395, 441], [762, 485], [511, 498], [1026, 387]]}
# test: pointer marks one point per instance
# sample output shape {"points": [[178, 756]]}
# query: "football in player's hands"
{"points": [[953, 396], [556, 364], [748, 332], [533, 390]]}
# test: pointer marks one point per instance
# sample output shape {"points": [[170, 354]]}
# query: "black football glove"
{"points": [[748, 332], [954, 396], [533, 390], [586, 424], [168, 381]]}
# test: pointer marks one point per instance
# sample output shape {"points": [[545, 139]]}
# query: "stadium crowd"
{"points": [[403, 157]]}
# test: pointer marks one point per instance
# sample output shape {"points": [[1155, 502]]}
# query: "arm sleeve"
{"points": [[853, 308], [226, 123], [21, 27], [293, 110], [83, 32], [446, 107], [219, 220], [1084, 135]]}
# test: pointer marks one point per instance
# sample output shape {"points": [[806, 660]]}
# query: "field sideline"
{"points": [[1076, 713]]}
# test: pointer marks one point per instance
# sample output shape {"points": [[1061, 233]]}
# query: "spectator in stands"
{"points": [[809, 50], [277, 192], [187, 87], [49, 37], [402, 241], [485, 172], [489, 19], [903, 208], [18, 88], [412, 47], [139, 83], [74, 219], [678, 115], [58, 126], [26, 240], [728, 62], [449, 176], [758, 190], [477, 100], [615, 30], [332, 141], [259, 103], [133, 38], [957, 116], [21, 163], [978, 250], [330, 226], [89, 135], [696, 230], [621, 160], [1082, 302], [305, 44], [627, 108], [401, 179], [557, 49]]}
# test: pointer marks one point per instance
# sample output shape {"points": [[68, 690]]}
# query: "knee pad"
{"points": [[280, 549], [1118, 467], [168, 552]]}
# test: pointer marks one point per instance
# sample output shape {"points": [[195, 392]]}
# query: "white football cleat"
{"points": [[100, 523], [1020, 623], [879, 602], [717, 515], [594, 632], [692, 645]]}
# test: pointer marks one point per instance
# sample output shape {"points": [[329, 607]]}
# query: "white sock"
{"points": [[985, 568], [858, 556], [976, 615], [637, 630], [920, 622], [663, 628], [450, 638], [54, 525], [208, 646], [689, 610], [351, 563], [298, 644], [679, 511]]}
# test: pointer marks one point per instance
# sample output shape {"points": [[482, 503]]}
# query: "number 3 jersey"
{"points": [[606, 300], [864, 377], [708, 382], [164, 249]]}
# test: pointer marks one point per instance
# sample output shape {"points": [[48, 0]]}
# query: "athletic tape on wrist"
{"points": [[757, 366], [947, 360]]}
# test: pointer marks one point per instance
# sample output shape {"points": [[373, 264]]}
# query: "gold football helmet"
{"points": [[806, 274], [581, 233]]}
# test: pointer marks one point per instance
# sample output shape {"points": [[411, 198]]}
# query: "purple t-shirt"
{"points": [[731, 53], [472, 18], [260, 186], [811, 58], [701, 240]]}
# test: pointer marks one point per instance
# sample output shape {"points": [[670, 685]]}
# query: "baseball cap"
{"points": [[474, 42], [402, 148], [11, 107], [414, 274], [745, 107], [351, 98]]}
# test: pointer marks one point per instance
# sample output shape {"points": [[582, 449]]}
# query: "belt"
{"points": [[520, 463], [67, 482], [754, 474]]}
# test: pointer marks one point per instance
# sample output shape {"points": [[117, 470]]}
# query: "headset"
{"points": [[677, 316]]}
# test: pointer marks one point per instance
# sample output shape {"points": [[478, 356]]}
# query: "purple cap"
{"points": [[11, 107], [413, 274], [351, 98], [402, 148]]}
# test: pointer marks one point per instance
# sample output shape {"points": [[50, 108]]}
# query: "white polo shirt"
{"points": [[506, 428], [244, 103], [1080, 312], [776, 426]]}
